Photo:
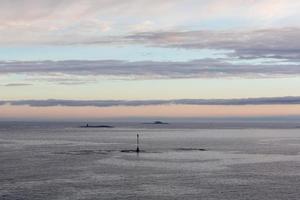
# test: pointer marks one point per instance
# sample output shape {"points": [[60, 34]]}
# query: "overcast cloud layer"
{"points": [[111, 103]]}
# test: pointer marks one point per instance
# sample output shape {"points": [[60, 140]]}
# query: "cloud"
{"points": [[271, 43], [70, 22], [72, 70], [111, 103], [17, 84], [169, 24], [278, 43]]}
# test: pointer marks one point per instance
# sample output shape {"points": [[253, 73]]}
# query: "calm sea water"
{"points": [[62, 161]]}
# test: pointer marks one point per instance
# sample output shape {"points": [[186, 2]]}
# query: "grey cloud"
{"points": [[276, 43], [282, 43], [205, 68], [17, 84], [111, 103]]}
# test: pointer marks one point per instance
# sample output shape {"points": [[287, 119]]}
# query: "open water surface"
{"points": [[61, 161]]}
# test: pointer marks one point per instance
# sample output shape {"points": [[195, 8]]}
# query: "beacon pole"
{"points": [[137, 143]]}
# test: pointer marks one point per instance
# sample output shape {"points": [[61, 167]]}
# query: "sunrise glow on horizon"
{"points": [[169, 111]]}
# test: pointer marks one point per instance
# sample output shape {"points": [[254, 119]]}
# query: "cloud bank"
{"points": [[111, 103], [205, 68], [278, 43], [17, 84]]}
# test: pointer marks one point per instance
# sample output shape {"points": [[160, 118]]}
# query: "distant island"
{"points": [[98, 126], [157, 122]]}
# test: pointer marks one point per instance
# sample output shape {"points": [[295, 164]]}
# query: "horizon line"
{"points": [[285, 100]]}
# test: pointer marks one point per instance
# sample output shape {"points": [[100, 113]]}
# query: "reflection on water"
{"points": [[62, 161]]}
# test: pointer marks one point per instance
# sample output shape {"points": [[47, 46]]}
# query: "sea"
{"points": [[207, 160]]}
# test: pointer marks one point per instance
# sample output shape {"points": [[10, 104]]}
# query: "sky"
{"points": [[98, 59]]}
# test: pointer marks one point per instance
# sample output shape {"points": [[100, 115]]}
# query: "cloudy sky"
{"points": [[67, 59]]}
